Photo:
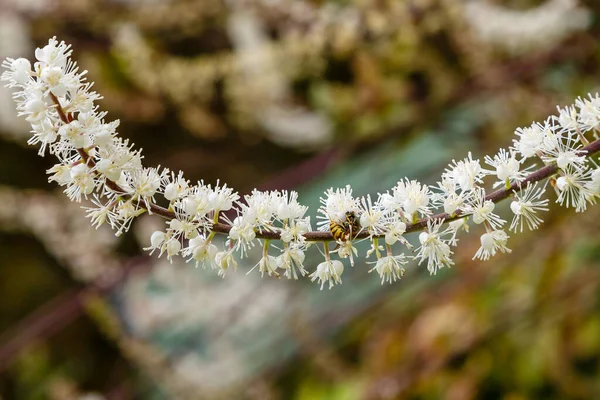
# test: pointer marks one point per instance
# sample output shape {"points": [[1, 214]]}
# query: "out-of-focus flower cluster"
{"points": [[95, 163], [520, 31]]}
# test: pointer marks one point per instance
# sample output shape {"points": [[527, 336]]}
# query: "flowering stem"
{"points": [[318, 236]]}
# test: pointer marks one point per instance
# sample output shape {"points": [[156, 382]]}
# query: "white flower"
{"points": [[390, 268], [346, 249], [395, 230], [81, 182], [531, 139], [491, 243], [295, 229], [433, 248], [75, 134], [146, 182], [372, 216], [101, 213], [224, 260], [593, 185], [292, 261], [564, 151], [175, 186], [107, 168], [221, 198], [44, 133], [288, 207], [335, 205], [567, 119], [267, 264], [242, 234], [328, 271], [466, 173], [456, 226], [412, 198], [19, 71], [202, 252], [589, 112], [157, 239], [260, 208], [482, 210], [54, 54], [526, 207], [448, 197], [573, 190], [507, 167]]}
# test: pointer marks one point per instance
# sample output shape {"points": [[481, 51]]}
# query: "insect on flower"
{"points": [[345, 230]]}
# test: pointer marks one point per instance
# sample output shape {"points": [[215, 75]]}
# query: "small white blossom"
{"points": [[589, 112], [372, 216], [267, 264], [532, 139], [335, 206], [467, 174], [482, 210], [507, 167], [433, 248], [347, 250], [390, 268], [224, 260], [202, 252], [292, 261], [564, 151], [491, 243], [175, 186], [328, 271], [395, 230], [573, 190], [526, 208]]}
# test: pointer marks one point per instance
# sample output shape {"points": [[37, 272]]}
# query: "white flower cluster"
{"points": [[95, 163]]}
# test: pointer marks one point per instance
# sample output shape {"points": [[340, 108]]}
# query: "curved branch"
{"points": [[318, 236]]}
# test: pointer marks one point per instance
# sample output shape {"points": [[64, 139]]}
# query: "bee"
{"points": [[345, 230]]}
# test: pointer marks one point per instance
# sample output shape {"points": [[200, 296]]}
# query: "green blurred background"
{"points": [[301, 95]]}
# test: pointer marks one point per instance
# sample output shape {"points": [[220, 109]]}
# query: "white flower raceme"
{"points": [[94, 162], [491, 243], [526, 208], [433, 248]]}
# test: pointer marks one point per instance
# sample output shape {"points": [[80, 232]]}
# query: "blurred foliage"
{"points": [[310, 94]]}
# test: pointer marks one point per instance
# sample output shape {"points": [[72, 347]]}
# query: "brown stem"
{"points": [[317, 236]]}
